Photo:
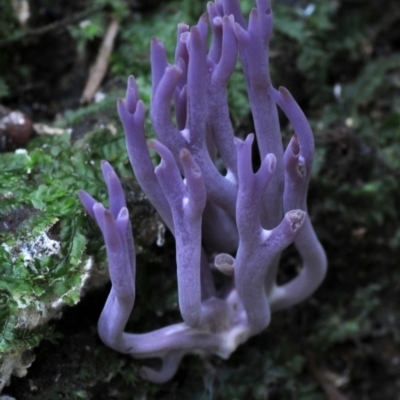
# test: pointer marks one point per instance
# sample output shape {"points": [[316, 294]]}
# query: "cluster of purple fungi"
{"points": [[225, 218]]}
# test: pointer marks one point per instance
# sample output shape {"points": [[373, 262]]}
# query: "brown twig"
{"points": [[99, 68], [54, 26], [327, 386]]}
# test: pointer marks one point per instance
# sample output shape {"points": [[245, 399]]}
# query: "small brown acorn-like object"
{"points": [[15, 129]]}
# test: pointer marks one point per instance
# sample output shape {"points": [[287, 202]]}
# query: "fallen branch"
{"points": [[99, 68], [54, 26], [322, 378]]}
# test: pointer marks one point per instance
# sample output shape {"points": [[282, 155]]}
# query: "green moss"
{"points": [[43, 259]]}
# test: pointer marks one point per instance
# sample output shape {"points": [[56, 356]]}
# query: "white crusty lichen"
{"points": [[34, 249], [31, 308]]}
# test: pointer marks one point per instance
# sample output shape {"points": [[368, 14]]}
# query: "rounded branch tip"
{"points": [[271, 160], [285, 93], [296, 219], [189, 163], [217, 21], [87, 201], [155, 145], [295, 145], [240, 32], [184, 36], [120, 102], [249, 139], [140, 109], [105, 164], [204, 17], [132, 82], [99, 208], [155, 41], [151, 143], [182, 27], [212, 10], [301, 167], [225, 263], [237, 141], [106, 169], [165, 153], [195, 40], [173, 69], [112, 176], [254, 13], [123, 214]]}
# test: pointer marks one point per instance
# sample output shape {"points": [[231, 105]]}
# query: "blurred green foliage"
{"points": [[8, 19]]}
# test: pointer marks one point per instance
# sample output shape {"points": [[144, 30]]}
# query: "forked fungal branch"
{"points": [[237, 222]]}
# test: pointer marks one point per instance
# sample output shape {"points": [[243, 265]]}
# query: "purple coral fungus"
{"points": [[237, 221]]}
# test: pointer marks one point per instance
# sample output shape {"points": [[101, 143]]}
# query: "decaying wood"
{"points": [[99, 68]]}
